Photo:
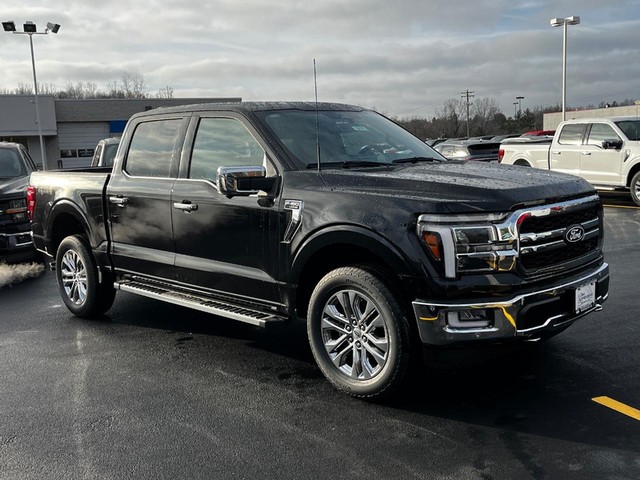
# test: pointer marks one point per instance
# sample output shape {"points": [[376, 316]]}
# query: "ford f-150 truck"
{"points": [[15, 167], [331, 214], [605, 152]]}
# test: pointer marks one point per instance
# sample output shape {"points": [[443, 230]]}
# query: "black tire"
{"points": [[635, 188], [77, 276], [359, 334], [522, 163]]}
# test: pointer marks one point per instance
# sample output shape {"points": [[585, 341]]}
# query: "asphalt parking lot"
{"points": [[156, 391]]}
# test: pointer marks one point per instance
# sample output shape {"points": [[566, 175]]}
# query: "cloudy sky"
{"points": [[402, 57]]}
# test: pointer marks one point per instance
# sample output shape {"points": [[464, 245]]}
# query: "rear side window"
{"points": [[571, 135], [152, 148]]}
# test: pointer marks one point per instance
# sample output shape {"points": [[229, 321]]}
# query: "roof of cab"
{"points": [[246, 107]]}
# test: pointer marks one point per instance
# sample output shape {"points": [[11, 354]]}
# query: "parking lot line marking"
{"points": [[619, 206], [618, 407]]}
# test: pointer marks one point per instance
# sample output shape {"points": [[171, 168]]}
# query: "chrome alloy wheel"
{"points": [[355, 334], [74, 277]]}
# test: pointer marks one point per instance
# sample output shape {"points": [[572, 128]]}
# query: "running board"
{"points": [[197, 302]]}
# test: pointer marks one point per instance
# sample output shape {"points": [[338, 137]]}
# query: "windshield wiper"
{"points": [[416, 160]]}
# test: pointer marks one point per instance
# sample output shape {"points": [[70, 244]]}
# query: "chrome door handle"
{"points": [[186, 207], [557, 153], [586, 153], [119, 201]]}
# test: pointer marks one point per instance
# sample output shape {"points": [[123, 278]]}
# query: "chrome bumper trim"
{"points": [[431, 316]]}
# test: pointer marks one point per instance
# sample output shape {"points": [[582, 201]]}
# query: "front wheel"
{"points": [[77, 276], [635, 188], [358, 333]]}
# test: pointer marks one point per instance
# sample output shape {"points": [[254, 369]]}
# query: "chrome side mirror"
{"points": [[243, 181]]}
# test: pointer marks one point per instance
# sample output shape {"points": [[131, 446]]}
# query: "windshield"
{"points": [[10, 164], [345, 138], [631, 129]]}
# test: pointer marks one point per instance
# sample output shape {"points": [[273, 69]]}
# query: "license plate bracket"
{"points": [[585, 297]]}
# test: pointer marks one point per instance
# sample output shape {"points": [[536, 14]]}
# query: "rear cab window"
{"points": [[571, 134], [153, 148]]}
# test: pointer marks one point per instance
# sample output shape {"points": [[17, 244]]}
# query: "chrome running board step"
{"points": [[223, 308]]}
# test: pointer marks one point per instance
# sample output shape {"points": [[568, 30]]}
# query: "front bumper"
{"points": [[528, 315]]}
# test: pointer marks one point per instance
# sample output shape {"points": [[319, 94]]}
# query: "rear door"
{"points": [[139, 196], [222, 244], [564, 154], [598, 165]]}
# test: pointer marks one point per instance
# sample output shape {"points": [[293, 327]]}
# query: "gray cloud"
{"points": [[404, 57]]}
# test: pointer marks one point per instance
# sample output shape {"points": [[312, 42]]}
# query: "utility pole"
{"points": [[468, 96]]}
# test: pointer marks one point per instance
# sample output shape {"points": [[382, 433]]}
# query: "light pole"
{"points": [[515, 109], [29, 28], [520, 104], [564, 22]]}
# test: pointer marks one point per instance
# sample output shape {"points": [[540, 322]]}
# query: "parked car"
{"points": [[605, 152], [539, 133], [501, 138], [432, 142], [328, 214], [483, 151], [105, 152], [15, 167]]}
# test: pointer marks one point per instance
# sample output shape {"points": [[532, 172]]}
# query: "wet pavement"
{"points": [[156, 391]]}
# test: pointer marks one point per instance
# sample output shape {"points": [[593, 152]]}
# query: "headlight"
{"points": [[469, 243]]}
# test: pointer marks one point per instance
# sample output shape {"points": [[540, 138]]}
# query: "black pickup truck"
{"points": [[331, 214], [15, 168]]}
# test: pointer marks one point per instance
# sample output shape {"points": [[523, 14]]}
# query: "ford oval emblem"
{"points": [[574, 234]]}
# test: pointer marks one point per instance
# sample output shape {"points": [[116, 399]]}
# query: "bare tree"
{"points": [[484, 111], [452, 116], [134, 85], [165, 92]]}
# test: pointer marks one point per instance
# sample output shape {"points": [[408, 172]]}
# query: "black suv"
{"points": [[15, 168]]}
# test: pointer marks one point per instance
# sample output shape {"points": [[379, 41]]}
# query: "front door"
{"points": [[226, 245], [598, 165]]}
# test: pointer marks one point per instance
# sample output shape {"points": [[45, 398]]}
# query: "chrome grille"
{"points": [[555, 236]]}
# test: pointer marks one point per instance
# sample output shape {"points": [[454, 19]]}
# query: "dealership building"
{"points": [[71, 128]]}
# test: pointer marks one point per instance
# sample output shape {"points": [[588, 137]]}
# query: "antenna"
{"points": [[315, 84]]}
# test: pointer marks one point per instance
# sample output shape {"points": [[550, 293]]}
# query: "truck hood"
{"points": [[462, 187], [13, 186]]}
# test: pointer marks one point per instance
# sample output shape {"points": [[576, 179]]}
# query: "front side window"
{"points": [[571, 135], [152, 148], [109, 154], [600, 132], [223, 142]]}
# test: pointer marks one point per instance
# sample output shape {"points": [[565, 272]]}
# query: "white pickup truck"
{"points": [[605, 152]]}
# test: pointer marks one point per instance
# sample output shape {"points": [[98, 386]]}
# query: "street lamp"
{"points": [[563, 22], [29, 28], [515, 109], [520, 104]]}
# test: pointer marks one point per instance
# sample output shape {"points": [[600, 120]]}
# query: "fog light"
{"points": [[472, 318]]}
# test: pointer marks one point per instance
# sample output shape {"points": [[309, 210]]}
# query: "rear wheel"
{"points": [[77, 275], [522, 163], [635, 188], [358, 333]]}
